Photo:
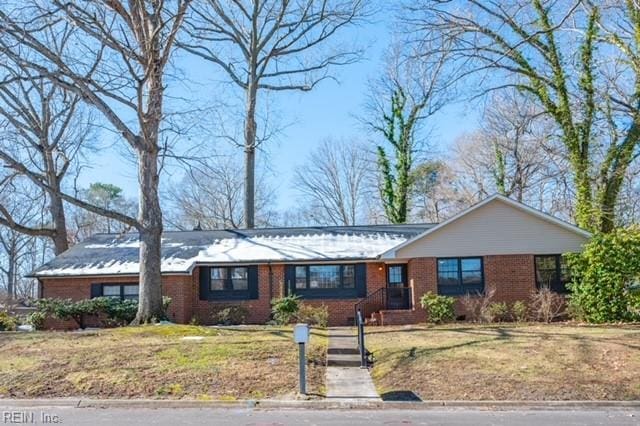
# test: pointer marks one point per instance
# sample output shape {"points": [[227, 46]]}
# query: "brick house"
{"points": [[496, 244]]}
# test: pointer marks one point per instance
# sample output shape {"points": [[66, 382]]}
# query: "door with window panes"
{"points": [[397, 287]]}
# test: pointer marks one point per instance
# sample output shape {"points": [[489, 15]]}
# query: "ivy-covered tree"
{"points": [[559, 54], [395, 187]]}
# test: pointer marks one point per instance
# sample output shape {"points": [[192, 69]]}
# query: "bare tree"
{"points": [[550, 50], [211, 197], [274, 45], [26, 207], [45, 129], [116, 62], [334, 183]]}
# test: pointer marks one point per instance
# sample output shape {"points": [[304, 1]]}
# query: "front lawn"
{"points": [[158, 362], [507, 362]]}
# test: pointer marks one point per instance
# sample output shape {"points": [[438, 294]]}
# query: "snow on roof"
{"points": [[109, 254]]}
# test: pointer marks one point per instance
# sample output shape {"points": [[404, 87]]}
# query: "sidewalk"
{"points": [[345, 379]]}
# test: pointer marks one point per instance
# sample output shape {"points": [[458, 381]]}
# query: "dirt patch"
{"points": [[156, 362], [504, 362]]}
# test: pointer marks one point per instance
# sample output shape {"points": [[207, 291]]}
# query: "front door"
{"points": [[397, 287]]}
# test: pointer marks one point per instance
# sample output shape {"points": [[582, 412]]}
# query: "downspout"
{"points": [[270, 281]]}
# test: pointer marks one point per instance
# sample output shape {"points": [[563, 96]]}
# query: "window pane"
{"points": [[395, 275], [471, 264], [239, 279], [565, 274], [111, 290], [131, 292], [218, 276], [448, 272], [546, 274], [348, 276], [324, 276], [471, 277], [301, 277]]}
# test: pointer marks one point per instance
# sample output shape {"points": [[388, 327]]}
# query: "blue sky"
{"points": [[328, 111]]}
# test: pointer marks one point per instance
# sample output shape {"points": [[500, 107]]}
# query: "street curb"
{"points": [[314, 404]]}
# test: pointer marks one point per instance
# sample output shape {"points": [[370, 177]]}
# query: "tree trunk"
{"points": [[11, 271], [56, 206], [250, 157], [150, 218]]}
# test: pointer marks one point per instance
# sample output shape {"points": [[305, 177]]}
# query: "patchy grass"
{"points": [[156, 362], [508, 362]]}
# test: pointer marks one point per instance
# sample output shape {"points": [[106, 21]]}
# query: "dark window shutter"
{"points": [[361, 279], [96, 290], [205, 275], [252, 272], [289, 279]]}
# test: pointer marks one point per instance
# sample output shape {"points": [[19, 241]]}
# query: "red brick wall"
{"points": [[512, 277]]}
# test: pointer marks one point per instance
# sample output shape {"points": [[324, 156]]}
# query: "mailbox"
{"points": [[301, 333]]}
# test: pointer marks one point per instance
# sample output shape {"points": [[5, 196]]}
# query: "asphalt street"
{"points": [[221, 416]]}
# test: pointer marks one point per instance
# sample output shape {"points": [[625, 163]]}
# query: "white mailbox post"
{"points": [[301, 337]]}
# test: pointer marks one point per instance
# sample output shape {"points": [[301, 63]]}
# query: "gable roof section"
{"points": [[111, 254], [392, 253]]}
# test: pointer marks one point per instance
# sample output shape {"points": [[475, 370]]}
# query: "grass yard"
{"points": [[156, 362], [507, 362]]}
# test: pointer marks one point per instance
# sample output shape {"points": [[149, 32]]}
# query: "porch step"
{"points": [[343, 351], [343, 360]]}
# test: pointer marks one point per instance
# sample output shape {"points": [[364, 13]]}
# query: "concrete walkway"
{"points": [[345, 378]]}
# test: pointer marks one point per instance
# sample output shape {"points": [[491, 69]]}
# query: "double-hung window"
{"points": [[460, 275], [552, 272], [229, 279]]}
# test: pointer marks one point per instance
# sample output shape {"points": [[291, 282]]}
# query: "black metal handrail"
{"points": [[361, 347], [387, 298]]}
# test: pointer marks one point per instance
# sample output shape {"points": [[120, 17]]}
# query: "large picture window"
{"points": [[325, 280], [459, 276], [552, 272]]}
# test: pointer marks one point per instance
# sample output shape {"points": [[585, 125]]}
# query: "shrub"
{"points": [[230, 315], [603, 275], [36, 319], [7, 322], [439, 308], [110, 311], [285, 309], [497, 312], [318, 316], [476, 305], [547, 305], [519, 310]]}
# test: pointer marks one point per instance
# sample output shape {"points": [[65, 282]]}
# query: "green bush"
{"points": [[439, 308], [7, 322], [36, 319], [520, 311], [498, 311], [603, 274], [285, 309], [110, 311], [318, 316], [230, 315]]}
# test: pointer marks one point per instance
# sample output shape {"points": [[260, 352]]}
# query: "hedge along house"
{"points": [[383, 270]]}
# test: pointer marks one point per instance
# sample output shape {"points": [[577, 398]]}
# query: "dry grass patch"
{"points": [[508, 362], [156, 362]]}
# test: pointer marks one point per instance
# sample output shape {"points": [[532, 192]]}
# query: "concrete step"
{"points": [[343, 351], [343, 360]]}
